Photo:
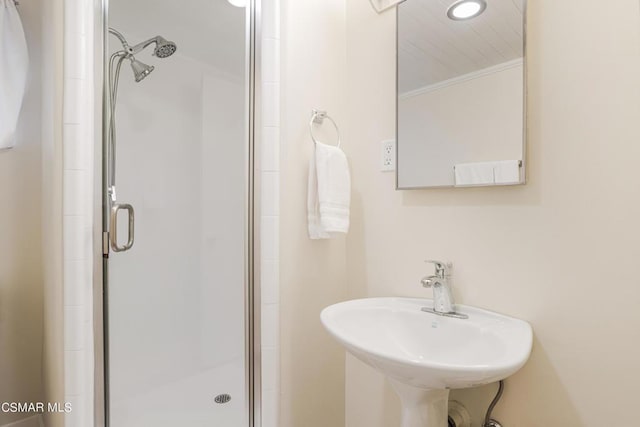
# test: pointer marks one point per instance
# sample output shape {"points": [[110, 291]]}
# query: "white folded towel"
{"points": [[498, 172], [507, 172], [474, 173], [329, 192], [14, 63]]}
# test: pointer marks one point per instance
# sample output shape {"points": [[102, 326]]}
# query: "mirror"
{"points": [[461, 93]]}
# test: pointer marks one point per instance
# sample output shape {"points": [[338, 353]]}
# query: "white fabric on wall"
{"points": [[14, 64], [382, 5]]}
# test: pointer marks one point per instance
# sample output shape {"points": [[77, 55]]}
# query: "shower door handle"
{"points": [[113, 234]]}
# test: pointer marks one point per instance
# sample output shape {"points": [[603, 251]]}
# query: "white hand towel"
{"points": [[329, 192], [14, 63], [313, 203], [507, 172], [474, 173]]}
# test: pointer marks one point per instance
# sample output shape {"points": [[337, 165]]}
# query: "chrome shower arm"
{"points": [[124, 42], [163, 49], [143, 45]]}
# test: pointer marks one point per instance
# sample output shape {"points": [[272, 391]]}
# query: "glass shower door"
{"points": [[176, 319]]}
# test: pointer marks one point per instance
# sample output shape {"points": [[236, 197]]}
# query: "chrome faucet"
{"points": [[443, 304]]}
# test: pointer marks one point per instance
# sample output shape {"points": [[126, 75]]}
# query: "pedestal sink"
{"points": [[424, 355]]}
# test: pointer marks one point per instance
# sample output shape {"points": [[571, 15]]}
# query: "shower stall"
{"points": [[179, 304]]}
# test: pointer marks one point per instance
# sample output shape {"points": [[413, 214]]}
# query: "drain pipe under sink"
{"points": [[458, 415]]}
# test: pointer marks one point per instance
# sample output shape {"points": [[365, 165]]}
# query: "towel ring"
{"points": [[318, 117]]}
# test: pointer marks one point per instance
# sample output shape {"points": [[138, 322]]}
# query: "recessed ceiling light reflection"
{"points": [[465, 9]]}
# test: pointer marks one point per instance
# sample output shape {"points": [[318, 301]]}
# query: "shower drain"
{"points": [[222, 398]]}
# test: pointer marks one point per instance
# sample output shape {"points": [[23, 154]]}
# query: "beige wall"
{"points": [[20, 241], [312, 274], [560, 252]]}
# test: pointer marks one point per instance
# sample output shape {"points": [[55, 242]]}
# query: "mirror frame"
{"points": [[525, 96]]}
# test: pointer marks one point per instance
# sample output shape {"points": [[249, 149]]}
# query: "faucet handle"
{"points": [[442, 268]]}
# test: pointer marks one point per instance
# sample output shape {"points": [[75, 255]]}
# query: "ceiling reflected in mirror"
{"points": [[433, 48]]}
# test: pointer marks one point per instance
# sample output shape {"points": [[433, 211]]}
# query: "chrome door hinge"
{"points": [[105, 243]]}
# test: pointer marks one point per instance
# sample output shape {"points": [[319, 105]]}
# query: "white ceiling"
{"points": [[210, 31], [433, 48]]}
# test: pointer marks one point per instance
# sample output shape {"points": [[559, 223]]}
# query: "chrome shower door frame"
{"points": [[101, 215]]}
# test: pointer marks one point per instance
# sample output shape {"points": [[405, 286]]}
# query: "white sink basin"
{"points": [[424, 354]]}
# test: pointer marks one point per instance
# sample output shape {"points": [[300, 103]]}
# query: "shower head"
{"points": [[140, 69], [164, 48]]}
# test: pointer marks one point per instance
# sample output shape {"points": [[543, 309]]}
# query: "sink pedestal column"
{"points": [[422, 407]]}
